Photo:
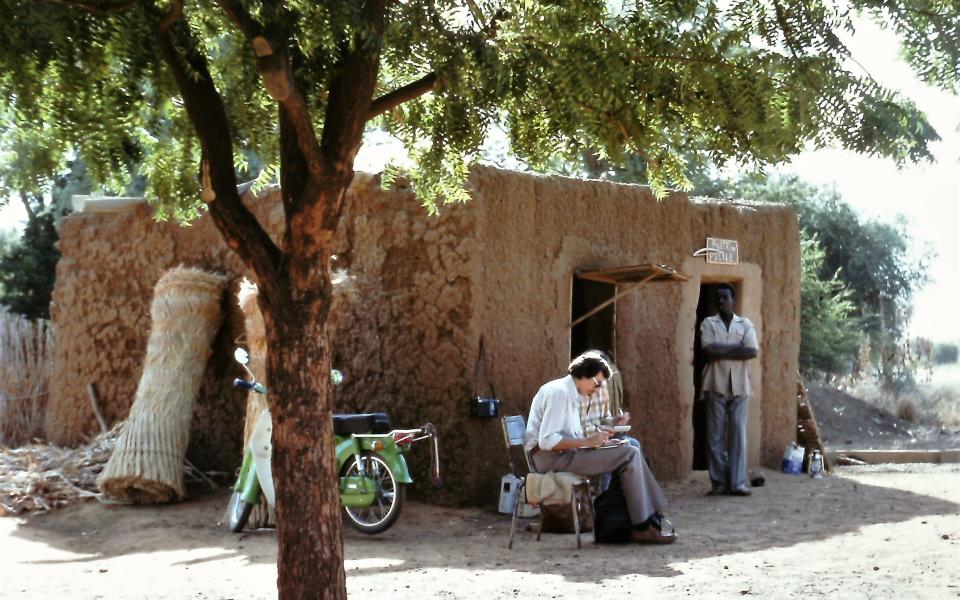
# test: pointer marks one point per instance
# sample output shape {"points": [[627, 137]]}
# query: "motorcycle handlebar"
{"points": [[249, 385]]}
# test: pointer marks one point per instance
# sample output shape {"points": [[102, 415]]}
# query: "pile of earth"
{"points": [[849, 422]]}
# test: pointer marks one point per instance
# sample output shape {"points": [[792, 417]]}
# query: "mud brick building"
{"points": [[415, 294]]}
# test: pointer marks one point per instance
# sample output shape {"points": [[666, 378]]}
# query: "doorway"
{"points": [[706, 306], [596, 331]]}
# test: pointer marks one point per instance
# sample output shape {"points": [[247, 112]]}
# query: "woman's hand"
{"points": [[598, 439]]}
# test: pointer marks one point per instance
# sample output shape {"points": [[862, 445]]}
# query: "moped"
{"points": [[370, 458]]}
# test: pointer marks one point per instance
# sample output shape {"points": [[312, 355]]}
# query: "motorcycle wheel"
{"points": [[385, 510], [238, 513]]}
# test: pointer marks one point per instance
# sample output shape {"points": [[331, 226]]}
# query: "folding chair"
{"points": [[514, 430]]}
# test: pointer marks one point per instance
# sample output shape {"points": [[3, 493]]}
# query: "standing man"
{"points": [[728, 340], [557, 442]]}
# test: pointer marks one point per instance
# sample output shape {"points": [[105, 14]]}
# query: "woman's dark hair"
{"points": [[588, 364]]}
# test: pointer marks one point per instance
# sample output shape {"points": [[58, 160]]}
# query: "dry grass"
{"points": [[256, 339], [38, 478], [26, 360], [147, 464], [935, 401]]}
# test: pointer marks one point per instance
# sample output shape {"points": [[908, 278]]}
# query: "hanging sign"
{"points": [[723, 252]]}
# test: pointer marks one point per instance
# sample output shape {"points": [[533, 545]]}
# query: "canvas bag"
{"points": [[612, 519], [552, 491]]}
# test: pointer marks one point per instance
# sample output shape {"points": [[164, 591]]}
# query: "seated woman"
{"points": [[557, 442], [603, 410]]}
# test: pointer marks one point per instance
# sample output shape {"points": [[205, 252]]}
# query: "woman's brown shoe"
{"points": [[652, 535]]}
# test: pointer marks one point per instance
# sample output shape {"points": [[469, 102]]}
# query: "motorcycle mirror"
{"points": [[241, 356]]}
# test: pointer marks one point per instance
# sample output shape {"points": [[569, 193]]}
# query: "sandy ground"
{"points": [[867, 532]]}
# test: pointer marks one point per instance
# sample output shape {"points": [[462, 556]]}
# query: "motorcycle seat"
{"points": [[361, 423]]}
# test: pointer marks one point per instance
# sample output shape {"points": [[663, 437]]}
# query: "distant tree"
{"points": [[829, 331], [27, 268], [944, 354], [28, 261], [191, 85], [872, 258]]}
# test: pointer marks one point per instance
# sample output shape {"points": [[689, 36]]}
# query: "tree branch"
{"points": [[204, 106], [249, 27], [100, 11], [31, 214], [393, 99], [351, 96], [276, 71], [176, 11]]}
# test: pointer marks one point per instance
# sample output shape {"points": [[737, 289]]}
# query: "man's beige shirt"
{"points": [[728, 377]]}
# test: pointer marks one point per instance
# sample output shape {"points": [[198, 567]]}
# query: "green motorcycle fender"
{"points": [[359, 491], [247, 484]]}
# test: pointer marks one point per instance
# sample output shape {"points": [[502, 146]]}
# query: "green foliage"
{"points": [[871, 258], [28, 259], [944, 353], [27, 269], [744, 81], [829, 333]]}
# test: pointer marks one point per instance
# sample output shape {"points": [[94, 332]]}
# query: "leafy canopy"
{"points": [[749, 81], [859, 276]]}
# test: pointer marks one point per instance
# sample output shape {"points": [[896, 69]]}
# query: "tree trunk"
{"points": [[310, 537], [309, 532]]}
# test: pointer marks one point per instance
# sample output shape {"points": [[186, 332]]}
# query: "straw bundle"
{"points": [[256, 338], [39, 478], [147, 464], [26, 359]]}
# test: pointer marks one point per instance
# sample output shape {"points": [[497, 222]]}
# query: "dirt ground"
{"points": [[867, 532]]}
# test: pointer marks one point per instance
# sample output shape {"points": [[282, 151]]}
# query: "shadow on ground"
{"points": [[788, 510]]}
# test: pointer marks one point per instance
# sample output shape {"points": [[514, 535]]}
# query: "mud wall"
{"points": [[536, 232], [109, 265], [403, 329]]}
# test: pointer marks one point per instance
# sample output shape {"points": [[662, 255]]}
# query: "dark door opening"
{"points": [[706, 306], [596, 331]]}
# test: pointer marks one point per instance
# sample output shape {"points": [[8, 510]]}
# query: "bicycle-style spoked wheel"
{"points": [[385, 509]]}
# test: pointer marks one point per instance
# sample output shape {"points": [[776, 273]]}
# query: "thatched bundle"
{"points": [[256, 341], [39, 478], [147, 464], [26, 360]]}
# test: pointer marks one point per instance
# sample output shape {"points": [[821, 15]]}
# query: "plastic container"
{"points": [[793, 459], [509, 486]]}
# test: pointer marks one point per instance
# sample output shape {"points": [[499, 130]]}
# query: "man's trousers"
{"points": [[643, 494], [727, 440]]}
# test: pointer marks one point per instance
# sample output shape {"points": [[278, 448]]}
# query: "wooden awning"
{"points": [[635, 276], [635, 273]]}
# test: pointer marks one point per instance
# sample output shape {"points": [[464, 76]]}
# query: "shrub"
{"points": [[907, 410]]}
